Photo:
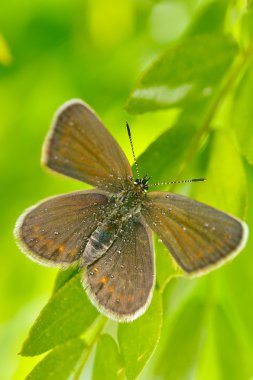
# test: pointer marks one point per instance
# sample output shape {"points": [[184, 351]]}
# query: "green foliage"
{"points": [[242, 116], [108, 364], [209, 19], [221, 177], [184, 344], [67, 314], [166, 266], [64, 276], [199, 89], [225, 333], [60, 362], [5, 55], [138, 340], [164, 150], [185, 73]]}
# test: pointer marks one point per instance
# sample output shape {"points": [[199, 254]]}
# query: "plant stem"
{"points": [[91, 339], [221, 94]]}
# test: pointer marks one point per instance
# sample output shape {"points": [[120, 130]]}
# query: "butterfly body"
{"points": [[107, 230], [120, 209]]}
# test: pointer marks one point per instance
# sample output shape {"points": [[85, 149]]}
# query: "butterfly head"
{"points": [[141, 184]]}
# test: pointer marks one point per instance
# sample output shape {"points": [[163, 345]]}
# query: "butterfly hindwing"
{"points": [[79, 146], [198, 236], [120, 283], [55, 231]]}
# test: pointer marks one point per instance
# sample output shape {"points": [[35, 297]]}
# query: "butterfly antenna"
{"points": [[176, 182], [132, 147]]}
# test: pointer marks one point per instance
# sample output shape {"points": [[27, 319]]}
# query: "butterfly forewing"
{"points": [[80, 147], [198, 236], [120, 283], [55, 231]]}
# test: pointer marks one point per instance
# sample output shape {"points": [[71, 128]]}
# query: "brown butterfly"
{"points": [[108, 229]]}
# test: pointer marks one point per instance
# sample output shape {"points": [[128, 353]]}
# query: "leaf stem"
{"points": [[221, 94], [90, 339]]}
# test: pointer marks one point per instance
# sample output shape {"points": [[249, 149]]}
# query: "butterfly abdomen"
{"points": [[103, 237], [99, 242]]}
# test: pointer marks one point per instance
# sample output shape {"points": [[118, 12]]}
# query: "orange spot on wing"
{"points": [[111, 289], [40, 237], [50, 243], [95, 270], [104, 280], [119, 297], [130, 298], [73, 252], [36, 228], [61, 248], [199, 254]]}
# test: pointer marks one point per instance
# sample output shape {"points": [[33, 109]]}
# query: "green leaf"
{"points": [[242, 115], [228, 344], [185, 73], [60, 363], [5, 54], [250, 4], [64, 276], [179, 360], [166, 267], [108, 363], [168, 152], [209, 19], [247, 27], [238, 281], [138, 339], [67, 314], [226, 186]]}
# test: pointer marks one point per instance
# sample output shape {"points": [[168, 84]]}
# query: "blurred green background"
{"points": [[52, 51]]}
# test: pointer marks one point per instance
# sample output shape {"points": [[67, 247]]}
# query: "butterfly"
{"points": [[107, 230]]}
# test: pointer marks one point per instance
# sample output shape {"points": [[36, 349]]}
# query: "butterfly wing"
{"points": [[120, 283], [199, 237], [55, 231], [79, 146]]}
